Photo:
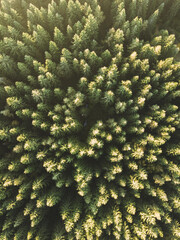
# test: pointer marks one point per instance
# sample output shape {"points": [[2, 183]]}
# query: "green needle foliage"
{"points": [[89, 120]]}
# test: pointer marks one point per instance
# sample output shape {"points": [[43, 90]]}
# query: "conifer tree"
{"points": [[89, 120]]}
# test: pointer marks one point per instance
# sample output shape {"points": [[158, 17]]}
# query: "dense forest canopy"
{"points": [[89, 119]]}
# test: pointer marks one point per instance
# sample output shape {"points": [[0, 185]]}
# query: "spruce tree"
{"points": [[89, 120]]}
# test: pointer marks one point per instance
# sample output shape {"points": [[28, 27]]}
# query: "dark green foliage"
{"points": [[89, 141]]}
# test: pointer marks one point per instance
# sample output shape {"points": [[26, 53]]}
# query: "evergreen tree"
{"points": [[89, 120]]}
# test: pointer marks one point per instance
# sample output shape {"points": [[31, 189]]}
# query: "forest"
{"points": [[89, 119]]}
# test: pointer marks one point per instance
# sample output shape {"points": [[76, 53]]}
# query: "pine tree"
{"points": [[89, 120]]}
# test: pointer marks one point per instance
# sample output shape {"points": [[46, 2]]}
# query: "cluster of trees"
{"points": [[89, 139]]}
